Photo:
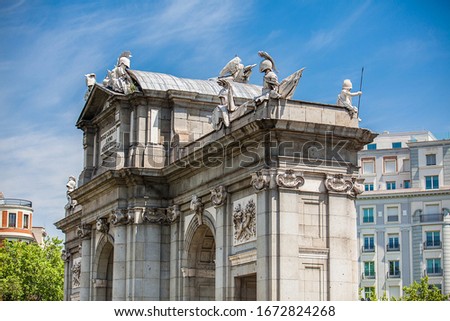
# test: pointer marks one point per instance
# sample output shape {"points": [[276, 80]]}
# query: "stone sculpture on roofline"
{"points": [[118, 79], [345, 97], [235, 69]]}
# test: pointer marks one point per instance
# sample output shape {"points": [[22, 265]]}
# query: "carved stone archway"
{"points": [[103, 271], [199, 268]]}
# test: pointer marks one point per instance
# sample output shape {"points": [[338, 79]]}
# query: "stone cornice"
{"points": [[69, 222], [404, 193]]}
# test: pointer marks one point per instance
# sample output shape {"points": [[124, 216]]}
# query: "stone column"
{"points": [[267, 231], [119, 265], [219, 200], [84, 231], [446, 249], [288, 231], [343, 249]]}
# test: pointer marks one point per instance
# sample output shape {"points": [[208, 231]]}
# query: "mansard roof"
{"points": [[149, 81]]}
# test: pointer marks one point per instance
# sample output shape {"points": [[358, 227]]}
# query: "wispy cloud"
{"points": [[326, 38]]}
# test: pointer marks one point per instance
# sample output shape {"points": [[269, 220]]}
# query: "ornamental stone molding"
{"points": [[357, 188], [198, 208], [218, 195], [289, 179], [244, 222], [102, 225], [76, 272], [260, 180], [121, 217], [84, 231], [338, 183]]}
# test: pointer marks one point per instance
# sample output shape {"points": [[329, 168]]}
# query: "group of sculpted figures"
{"points": [[234, 71]]}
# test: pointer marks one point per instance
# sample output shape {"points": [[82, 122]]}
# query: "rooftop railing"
{"points": [[427, 218], [15, 201]]}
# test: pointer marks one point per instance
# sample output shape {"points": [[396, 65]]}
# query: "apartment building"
{"points": [[403, 217]]}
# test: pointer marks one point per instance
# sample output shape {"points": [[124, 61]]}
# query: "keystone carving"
{"points": [[218, 195], [289, 179], [65, 256], [154, 216]]}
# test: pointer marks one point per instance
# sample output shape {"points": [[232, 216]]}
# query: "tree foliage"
{"points": [[423, 291], [30, 272]]}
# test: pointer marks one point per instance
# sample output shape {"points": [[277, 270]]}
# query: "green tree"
{"points": [[29, 272], [423, 291]]}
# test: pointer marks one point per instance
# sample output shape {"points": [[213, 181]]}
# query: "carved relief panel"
{"points": [[244, 220]]}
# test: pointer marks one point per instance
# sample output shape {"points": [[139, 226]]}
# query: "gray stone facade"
{"points": [[168, 209]]}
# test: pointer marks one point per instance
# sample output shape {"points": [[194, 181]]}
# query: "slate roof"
{"points": [[163, 82]]}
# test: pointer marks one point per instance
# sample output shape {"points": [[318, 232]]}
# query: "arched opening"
{"points": [[200, 271], [103, 284]]}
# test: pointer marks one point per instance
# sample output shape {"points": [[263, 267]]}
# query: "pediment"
{"points": [[95, 103]]}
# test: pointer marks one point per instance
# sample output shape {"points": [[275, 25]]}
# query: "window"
{"points": [[369, 270], [407, 184], [368, 187], [431, 182], [406, 165], [12, 220], [390, 185], [369, 243], [372, 146], [431, 159], [393, 243], [394, 269], [368, 215], [368, 166], [433, 239], [434, 266], [369, 291], [397, 145], [26, 221], [392, 213], [390, 165]]}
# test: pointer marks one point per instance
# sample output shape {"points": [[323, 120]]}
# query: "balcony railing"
{"points": [[15, 201], [370, 276], [394, 248], [428, 218], [433, 272], [392, 218], [395, 275], [367, 249], [432, 245]]}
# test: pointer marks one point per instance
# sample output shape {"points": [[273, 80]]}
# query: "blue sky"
{"points": [[47, 47]]}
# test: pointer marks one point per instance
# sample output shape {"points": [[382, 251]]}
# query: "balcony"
{"points": [[433, 272], [15, 202], [395, 275], [392, 248], [367, 249], [392, 218], [429, 218], [432, 245], [369, 276]]}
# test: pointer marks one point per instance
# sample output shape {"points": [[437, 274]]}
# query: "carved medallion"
{"points": [[289, 179], [173, 213], [154, 216], [338, 183], [84, 231], [218, 195], [121, 217], [244, 222], [260, 180]]}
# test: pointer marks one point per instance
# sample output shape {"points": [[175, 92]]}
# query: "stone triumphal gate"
{"points": [[212, 190]]}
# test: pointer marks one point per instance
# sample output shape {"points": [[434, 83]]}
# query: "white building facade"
{"points": [[403, 216]]}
